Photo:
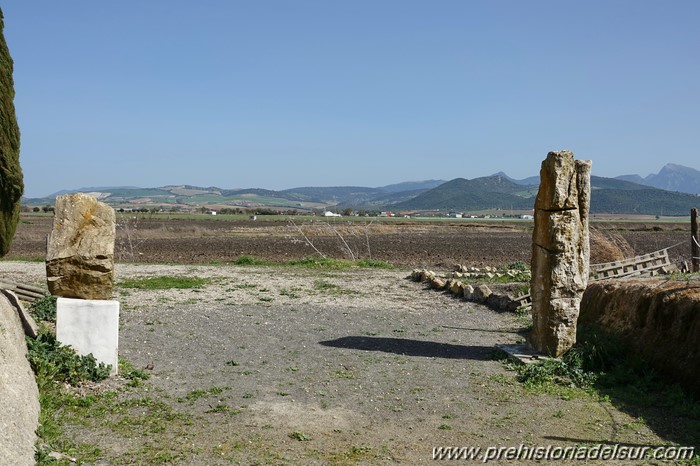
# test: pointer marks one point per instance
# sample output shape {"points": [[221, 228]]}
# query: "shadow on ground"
{"points": [[409, 347]]}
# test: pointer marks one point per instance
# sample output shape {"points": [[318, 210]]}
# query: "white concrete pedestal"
{"points": [[90, 326]]}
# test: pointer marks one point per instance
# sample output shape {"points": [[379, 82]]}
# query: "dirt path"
{"points": [[290, 366]]}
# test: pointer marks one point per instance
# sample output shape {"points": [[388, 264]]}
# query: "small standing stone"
{"points": [[80, 249]]}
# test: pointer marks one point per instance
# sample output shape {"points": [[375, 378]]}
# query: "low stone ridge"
{"points": [[658, 319], [479, 293], [19, 396], [80, 250]]}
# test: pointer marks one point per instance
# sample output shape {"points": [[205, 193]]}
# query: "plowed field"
{"points": [[159, 239]]}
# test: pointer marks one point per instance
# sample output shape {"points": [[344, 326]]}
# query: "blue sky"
{"points": [[279, 94]]}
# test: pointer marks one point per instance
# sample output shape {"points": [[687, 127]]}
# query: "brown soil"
{"points": [[292, 366], [410, 243]]}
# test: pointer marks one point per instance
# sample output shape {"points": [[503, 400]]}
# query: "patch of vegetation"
{"points": [[601, 366], [300, 436], [129, 372], [54, 366], [53, 361], [164, 282], [44, 309], [251, 260], [330, 288], [519, 266], [290, 292], [337, 264], [197, 394]]}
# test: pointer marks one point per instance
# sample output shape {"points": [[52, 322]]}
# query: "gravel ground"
{"points": [[292, 366]]}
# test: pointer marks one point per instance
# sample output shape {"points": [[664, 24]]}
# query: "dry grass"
{"points": [[609, 247]]}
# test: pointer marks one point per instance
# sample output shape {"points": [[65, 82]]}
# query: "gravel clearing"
{"points": [[281, 365]]}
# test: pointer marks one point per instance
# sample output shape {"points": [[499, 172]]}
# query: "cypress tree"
{"points": [[11, 181]]}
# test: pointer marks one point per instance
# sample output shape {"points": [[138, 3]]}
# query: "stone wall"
{"points": [[659, 319]]}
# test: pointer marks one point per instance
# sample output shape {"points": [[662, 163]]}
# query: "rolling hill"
{"points": [[609, 195]]}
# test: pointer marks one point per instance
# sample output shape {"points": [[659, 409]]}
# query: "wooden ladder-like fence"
{"points": [[651, 264]]}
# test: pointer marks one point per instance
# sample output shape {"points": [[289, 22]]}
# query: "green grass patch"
{"points": [[251, 260], [197, 394], [330, 288], [164, 282], [337, 264], [300, 436]]}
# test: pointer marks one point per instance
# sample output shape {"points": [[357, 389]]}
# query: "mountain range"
{"points": [[628, 194], [671, 177]]}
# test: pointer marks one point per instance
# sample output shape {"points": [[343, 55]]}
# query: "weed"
{"points": [[197, 394], [52, 361], [519, 266], [344, 374], [290, 293], [44, 308], [300, 436], [250, 260], [330, 288], [128, 371], [265, 299], [164, 282], [220, 408], [445, 427], [232, 363]]}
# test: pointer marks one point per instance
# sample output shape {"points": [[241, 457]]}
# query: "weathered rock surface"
{"points": [[19, 396], [11, 181], [560, 251], [28, 323], [659, 319], [481, 293], [80, 252]]}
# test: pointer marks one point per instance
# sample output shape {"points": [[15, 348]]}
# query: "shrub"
{"points": [[44, 308], [52, 361]]}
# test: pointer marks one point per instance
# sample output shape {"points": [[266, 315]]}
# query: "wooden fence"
{"points": [[24, 292], [651, 264]]}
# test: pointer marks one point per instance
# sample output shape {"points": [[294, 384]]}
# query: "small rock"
{"points": [[457, 288], [468, 292], [437, 283], [481, 293]]}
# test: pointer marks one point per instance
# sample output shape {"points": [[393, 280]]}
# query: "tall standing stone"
{"points": [[560, 251], [80, 248], [11, 181]]}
